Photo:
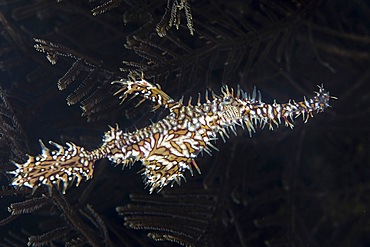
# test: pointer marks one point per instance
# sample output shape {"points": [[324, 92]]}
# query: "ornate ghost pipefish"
{"points": [[166, 148]]}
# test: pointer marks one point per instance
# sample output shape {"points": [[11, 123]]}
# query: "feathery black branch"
{"points": [[175, 218], [28, 206], [94, 90], [47, 238]]}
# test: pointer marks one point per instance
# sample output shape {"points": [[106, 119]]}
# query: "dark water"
{"points": [[303, 187]]}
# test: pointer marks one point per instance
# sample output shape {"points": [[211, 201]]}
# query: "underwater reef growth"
{"points": [[307, 186]]}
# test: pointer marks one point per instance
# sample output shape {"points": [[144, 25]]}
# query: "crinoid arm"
{"points": [[52, 167]]}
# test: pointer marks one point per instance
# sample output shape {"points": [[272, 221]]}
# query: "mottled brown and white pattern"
{"points": [[166, 148]]}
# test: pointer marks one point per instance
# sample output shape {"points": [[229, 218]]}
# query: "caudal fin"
{"points": [[52, 167]]}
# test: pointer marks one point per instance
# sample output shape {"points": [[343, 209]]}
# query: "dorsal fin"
{"points": [[146, 90]]}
